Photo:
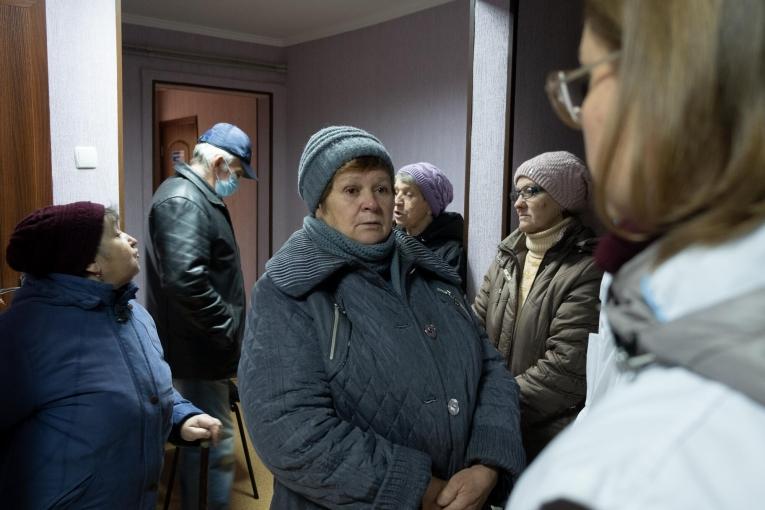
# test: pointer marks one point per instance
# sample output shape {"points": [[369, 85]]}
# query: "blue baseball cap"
{"points": [[232, 140]]}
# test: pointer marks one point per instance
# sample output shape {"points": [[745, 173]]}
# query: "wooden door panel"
{"points": [[25, 158], [177, 138]]}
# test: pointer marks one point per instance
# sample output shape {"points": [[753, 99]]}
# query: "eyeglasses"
{"points": [[527, 192], [567, 90]]}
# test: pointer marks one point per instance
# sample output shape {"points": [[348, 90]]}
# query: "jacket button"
{"points": [[154, 399], [430, 330], [453, 406]]}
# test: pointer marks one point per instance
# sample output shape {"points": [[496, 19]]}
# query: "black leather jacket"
{"points": [[195, 284]]}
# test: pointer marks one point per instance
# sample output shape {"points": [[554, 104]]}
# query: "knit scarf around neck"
{"points": [[377, 257]]}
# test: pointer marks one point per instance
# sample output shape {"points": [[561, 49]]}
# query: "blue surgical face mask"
{"points": [[228, 187]]}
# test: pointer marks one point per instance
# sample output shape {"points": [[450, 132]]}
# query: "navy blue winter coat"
{"points": [[87, 401], [356, 394]]}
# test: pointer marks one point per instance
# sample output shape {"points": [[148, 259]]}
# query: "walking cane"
{"points": [[204, 462]]}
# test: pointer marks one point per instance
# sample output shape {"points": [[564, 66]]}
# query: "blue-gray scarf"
{"points": [[377, 257], [317, 250]]}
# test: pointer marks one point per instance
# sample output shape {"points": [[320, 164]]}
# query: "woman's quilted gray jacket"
{"points": [[356, 394]]}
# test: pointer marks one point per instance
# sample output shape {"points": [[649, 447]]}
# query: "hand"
{"points": [[201, 426], [468, 489], [431, 493]]}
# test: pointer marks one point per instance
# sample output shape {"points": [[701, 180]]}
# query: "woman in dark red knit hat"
{"points": [[88, 401]]}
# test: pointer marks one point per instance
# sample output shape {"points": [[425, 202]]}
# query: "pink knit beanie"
{"points": [[562, 175]]}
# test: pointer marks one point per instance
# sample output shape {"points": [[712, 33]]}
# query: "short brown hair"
{"points": [[360, 163], [692, 89]]}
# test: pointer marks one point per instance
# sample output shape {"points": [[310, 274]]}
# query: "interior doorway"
{"points": [[181, 114], [177, 138]]}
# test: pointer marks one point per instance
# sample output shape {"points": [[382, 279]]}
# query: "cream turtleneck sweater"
{"points": [[538, 244]]}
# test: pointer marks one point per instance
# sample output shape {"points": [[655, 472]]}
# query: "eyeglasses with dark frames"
{"points": [[526, 193], [567, 90]]}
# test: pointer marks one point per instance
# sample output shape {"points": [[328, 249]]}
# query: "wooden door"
{"points": [[25, 158], [177, 138]]}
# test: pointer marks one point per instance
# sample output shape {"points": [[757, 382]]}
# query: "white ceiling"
{"points": [[271, 22]]}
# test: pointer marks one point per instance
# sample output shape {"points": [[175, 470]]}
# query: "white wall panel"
{"points": [[82, 77]]}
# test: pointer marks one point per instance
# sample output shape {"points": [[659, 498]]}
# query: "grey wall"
{"points": [[404, 80]]}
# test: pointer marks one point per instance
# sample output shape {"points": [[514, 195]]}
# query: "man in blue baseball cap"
{"points": [[232, 140], [196, 291]]}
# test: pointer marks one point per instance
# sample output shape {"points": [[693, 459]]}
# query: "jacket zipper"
{"points": [[511, 259], [334, 332], [517, 314], [454, 298]]}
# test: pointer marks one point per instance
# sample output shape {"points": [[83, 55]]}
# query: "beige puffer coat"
{"points": [[545, 342]]}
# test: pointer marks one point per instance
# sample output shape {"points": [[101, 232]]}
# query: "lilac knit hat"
{"points": [[562, 175], [433, 184], [57, 239]]}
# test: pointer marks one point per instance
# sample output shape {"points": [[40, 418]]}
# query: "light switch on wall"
{"points": [[85, 157]]}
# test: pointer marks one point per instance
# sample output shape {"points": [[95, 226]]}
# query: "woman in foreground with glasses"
{"points": [[539, 299], [675, 136]]}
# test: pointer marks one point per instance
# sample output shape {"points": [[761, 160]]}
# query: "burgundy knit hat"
{"points": [[562, 175], [57, 239], [433, 184]]}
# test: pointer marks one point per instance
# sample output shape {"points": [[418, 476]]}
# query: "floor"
{"points": [[241, 494]]}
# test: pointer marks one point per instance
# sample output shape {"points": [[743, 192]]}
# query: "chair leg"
{"points": [[243, 435], [171, 480]]}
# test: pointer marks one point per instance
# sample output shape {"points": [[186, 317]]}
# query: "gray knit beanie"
{"points": [[562, 175], [328, 150]]}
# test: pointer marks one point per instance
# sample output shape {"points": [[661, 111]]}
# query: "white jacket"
{"points": [[666, 437], [602, 370]]}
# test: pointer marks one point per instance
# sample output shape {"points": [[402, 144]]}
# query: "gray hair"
{"points": [[204, 154], [406, 178]]}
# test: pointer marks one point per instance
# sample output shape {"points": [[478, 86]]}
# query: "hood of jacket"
{"points": [[69, 290], [300, 265], [724, 342]]}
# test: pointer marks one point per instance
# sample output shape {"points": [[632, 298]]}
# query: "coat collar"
{"points": [[723, 342], [447, 225], [183, 170], [74, 290], [575, 232]]}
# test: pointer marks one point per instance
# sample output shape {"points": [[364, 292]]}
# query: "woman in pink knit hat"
{"points": [[539, 300]]}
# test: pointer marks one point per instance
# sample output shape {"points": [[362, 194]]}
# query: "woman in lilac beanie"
{"points": [[422, 193], [539, 299]]}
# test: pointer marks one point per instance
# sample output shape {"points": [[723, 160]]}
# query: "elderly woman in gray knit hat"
{"points": [[365, 378], [422, 192], [539, 300]]}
